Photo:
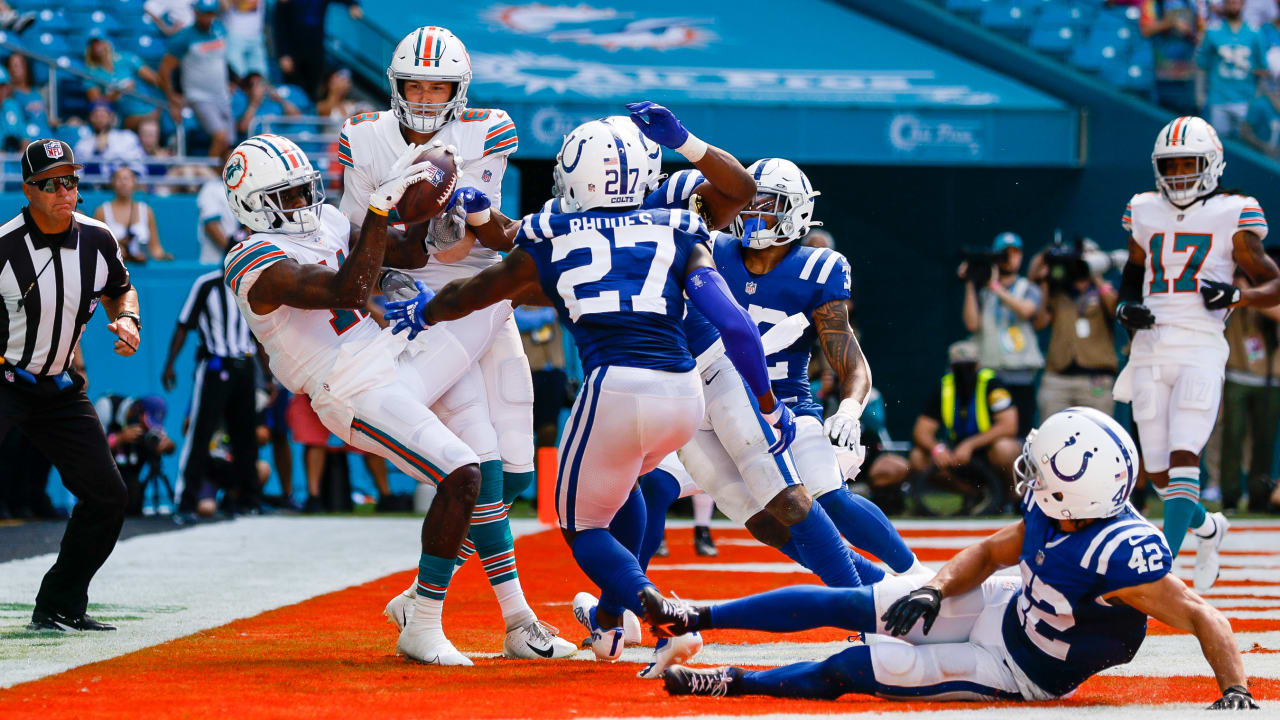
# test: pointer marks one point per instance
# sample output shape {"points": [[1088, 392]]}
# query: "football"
{"points": [[427, 198]]}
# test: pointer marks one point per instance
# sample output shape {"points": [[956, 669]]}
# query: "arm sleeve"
{"points": [[178, 44], [245, 262], [1131, 282], [1252, 219], [117, 274], [501, 138], [709, 293], [998, 397]]}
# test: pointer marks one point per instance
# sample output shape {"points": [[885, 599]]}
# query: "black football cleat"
{"points": [[44, 620], [702, 542], [669, 617], [719, 682]]}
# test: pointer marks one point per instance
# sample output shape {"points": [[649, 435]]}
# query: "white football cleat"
{"points": [[400, 610], [429, 646], [536, 640], [631, 628], [671, 651], [1208, 562], [607, 643]]}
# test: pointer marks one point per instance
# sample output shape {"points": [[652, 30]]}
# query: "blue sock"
{"points": [[868, 572], [660, 489], [822, 550], [1182, 508], [628, 528], [800, 607], [865, 527], [513, 484], [611, 566], [434, 574], [845, 672]]}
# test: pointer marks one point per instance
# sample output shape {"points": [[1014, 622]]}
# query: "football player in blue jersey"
{"points": [[1092, 571], [781, 282], [617, 276]]}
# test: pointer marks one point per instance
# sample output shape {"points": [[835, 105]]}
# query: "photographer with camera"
{"points": [[136, 436], [999, 305], [1079, 307]]}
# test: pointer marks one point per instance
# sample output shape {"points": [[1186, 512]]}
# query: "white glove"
{"points": [[845, 426], [400, 175]]}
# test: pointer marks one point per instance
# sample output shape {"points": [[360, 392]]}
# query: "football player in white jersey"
{"points": [[302, 280], [1186, 240], [491, 409]]}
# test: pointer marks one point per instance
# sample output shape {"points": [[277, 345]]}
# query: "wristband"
{"points": [[940, 447], [478, 218], [693, 149], [137, 321], [377, 210]]}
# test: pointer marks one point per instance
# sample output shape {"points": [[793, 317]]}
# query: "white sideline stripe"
{"points": [[186, 581]]}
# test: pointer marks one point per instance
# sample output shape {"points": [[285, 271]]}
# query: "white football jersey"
{"points": [[1185, 246], [302, 345], [371, 142]]}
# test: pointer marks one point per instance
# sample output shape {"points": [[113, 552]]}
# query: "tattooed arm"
{"points": [[843, 353]]}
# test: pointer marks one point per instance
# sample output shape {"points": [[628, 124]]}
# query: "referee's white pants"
{"points": [[624, 421]]}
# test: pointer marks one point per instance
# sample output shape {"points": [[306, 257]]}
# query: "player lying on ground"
{"points": [[1189, 236], [1092, 567], [617, 275]]}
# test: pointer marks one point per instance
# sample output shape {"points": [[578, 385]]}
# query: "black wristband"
{"points": [[137, 321], [1131, 282]]}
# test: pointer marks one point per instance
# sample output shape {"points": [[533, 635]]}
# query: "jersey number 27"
{"points": [[649, 297]]}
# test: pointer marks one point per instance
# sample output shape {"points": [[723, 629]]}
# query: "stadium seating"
{"points": [[1086, 34]]}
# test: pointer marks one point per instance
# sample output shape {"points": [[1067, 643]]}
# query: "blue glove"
{"points": [[411, 313], [658, 124], [784, 421], [472, 200]]}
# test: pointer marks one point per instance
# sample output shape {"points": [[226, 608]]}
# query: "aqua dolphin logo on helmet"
{"points": [[1084, 461]]}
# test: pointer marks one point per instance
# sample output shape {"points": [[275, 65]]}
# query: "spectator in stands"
{"points": [[119, 73], [253, 98], [979, 425], [337, 104], [215, 224], [201, 50], [107, 143], [1261, 126], [1175, 27], [13, 21], [149, 138], [1250, 404], [999, 315], [13, 128], [1231, 59], [170, 16], [136, 436], [1260, 12], [1079, 308], [131, 220], [246, 41], [299, 28], [34, 104]]}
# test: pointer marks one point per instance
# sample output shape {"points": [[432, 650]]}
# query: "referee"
{"points": [[224, 394], [55, 263]]}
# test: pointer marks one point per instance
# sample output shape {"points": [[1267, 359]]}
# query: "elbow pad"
{"points": [[709, 293], [1131, 282]]}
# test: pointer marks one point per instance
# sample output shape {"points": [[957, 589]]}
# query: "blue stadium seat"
{"points": [[1070, 15], [1014, 18], [49, 44], [1054, 38], [148, 47], [83, 20], [969, 7], [51, 20]]}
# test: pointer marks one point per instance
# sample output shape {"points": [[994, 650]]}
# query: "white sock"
{"points": [[428, 612], [703, 508], [1207, 528], [515, 609]]}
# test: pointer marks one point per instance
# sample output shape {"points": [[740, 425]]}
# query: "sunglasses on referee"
{"points": [[50, 185]]}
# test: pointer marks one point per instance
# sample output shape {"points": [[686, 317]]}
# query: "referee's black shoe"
{"points": [[44, 620]]}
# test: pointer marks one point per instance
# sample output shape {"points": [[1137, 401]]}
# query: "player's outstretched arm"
{"points": [[1172, 603], [508, 279], [707, 291], [977, 562], [728, 187], [319, 287]]}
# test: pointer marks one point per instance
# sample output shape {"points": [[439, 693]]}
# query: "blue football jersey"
{"points": [[1058, 629], [805, 279], [675, 191], [617, 281]]}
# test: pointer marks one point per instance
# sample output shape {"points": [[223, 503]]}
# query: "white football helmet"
{"points": [[261, 178], [783, 192], [1078, 464], [600, 165], [1188, 136], [429, 54], [651, 175]]}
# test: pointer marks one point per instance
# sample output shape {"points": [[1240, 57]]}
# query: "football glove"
{"points": [[411, 314], [1235, 697], [447, 229], [1219, 295], [473, 202], [784, 421], [1135, 316], [400, 175], [844, 427], [905, 611], [658, 124]]}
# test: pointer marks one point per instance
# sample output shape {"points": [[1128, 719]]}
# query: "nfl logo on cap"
{"points": [[53, 149]]}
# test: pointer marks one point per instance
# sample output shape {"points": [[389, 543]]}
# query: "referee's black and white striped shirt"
{"points": [[49, 288], [212, 311]]}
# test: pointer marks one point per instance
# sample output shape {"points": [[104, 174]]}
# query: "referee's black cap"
{"points": [[46, 154]]}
